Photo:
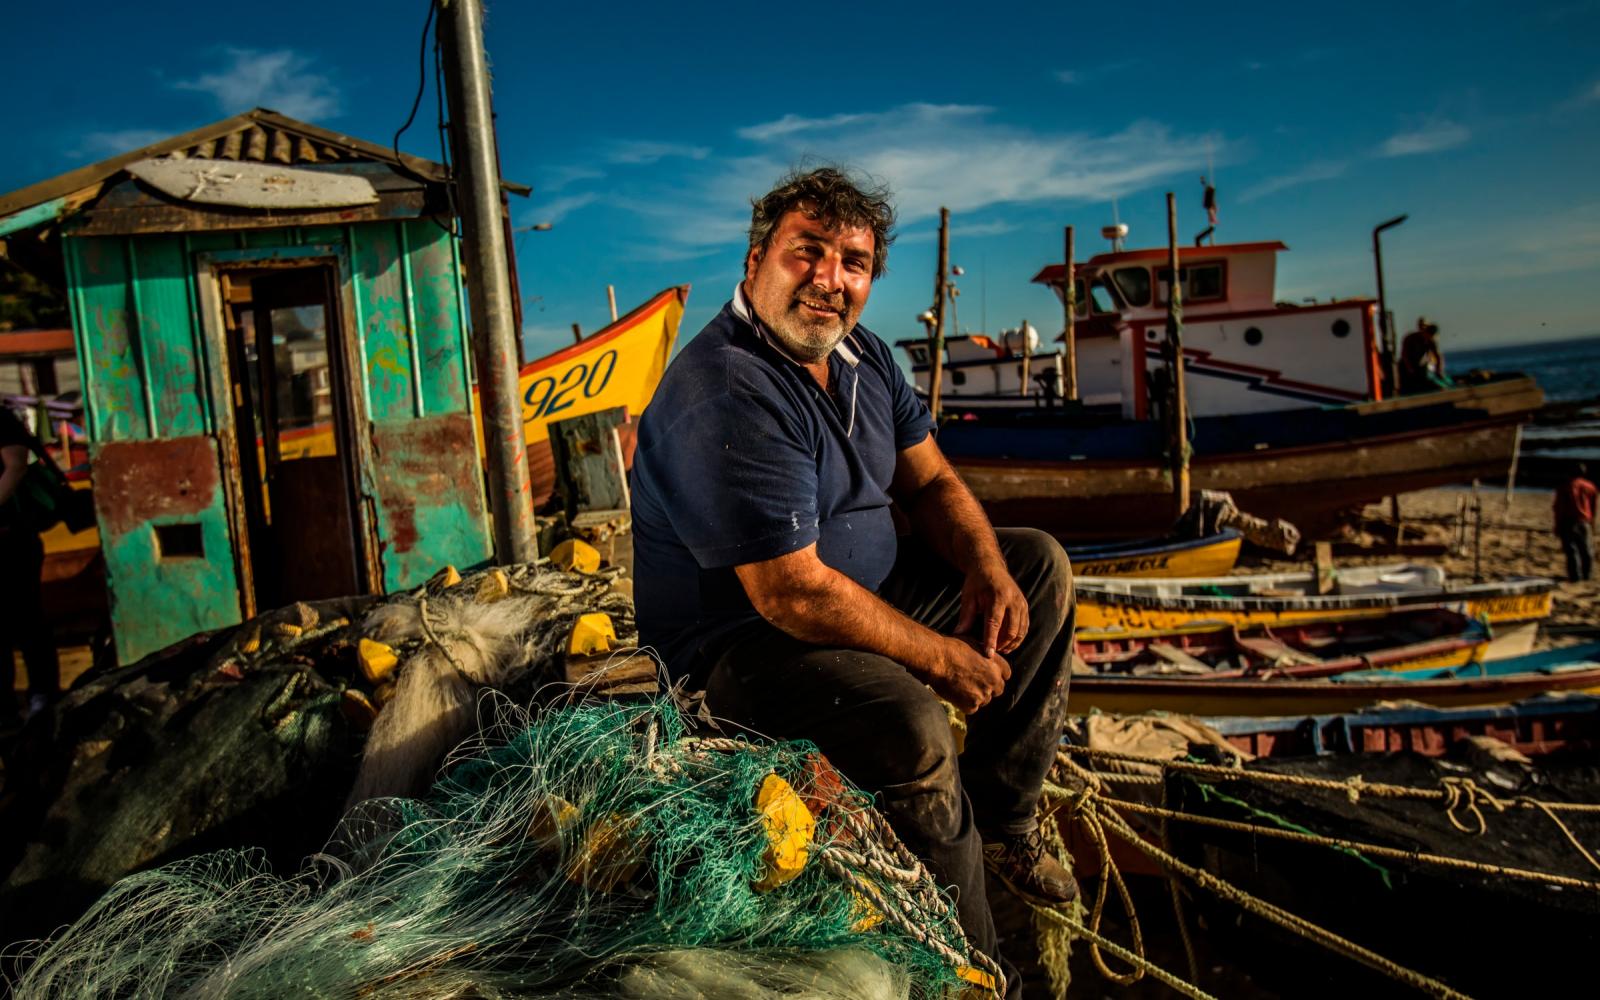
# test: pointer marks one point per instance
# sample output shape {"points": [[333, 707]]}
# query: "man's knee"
{"points": [[917, 745], [1041, 568]]}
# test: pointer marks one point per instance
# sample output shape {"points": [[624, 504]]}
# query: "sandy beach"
{"points": [[1517, 539]]}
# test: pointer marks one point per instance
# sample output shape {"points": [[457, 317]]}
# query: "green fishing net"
{"points": [[585, 852]]}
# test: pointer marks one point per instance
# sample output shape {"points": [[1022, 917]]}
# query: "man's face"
{"points": [[810, 283]]}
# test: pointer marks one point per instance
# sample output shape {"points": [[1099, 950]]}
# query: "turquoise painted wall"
{"points": [[143, 358]]}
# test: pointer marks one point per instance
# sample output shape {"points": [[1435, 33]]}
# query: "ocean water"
{"points": [[1567, 370]]}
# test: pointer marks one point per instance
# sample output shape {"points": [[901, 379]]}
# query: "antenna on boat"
{"points": [[1208, 198], [1117, 231]]}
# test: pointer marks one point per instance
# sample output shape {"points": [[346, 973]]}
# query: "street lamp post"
{"points": [[1391, 355]]}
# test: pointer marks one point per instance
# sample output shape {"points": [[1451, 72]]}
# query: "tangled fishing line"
{"points": [[584, 852]]}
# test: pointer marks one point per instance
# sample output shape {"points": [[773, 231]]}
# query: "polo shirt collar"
{"points": [[848, 348]]}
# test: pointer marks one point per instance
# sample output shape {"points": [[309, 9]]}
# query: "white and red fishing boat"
{"points": [[1286, 404], [1244, 352]]}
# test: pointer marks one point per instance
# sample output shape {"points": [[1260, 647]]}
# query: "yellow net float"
{"points": [[377, 660], [788, 826], [576, 556]]}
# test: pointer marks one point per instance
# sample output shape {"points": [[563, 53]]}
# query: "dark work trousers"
{"points": [[1578, 545], [22, 622], [885, 730]]}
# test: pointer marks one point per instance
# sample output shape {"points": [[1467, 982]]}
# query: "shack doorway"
{"points": [[292, 414]]}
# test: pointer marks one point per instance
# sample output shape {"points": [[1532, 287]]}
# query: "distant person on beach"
{"points": [[769, 572], [22, 622], [1574, 509], [1421, 361]]}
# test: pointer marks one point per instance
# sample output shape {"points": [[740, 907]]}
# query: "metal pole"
{"points": [[1027, 358], [611, 300], [577, 333], [494, 339], [1180, 408], [1069, 303], [936, 385], [1391, 355]]}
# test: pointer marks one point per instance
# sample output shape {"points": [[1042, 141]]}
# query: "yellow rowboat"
{"points": [[1478, 683], [620, 365], [1409, 639], [1212, 555], [1118, 606]]}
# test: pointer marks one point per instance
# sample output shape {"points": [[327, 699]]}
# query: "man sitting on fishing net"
{"points": [[769, 574]]}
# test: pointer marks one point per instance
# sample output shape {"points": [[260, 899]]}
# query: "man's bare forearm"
{"points": [[827, 608], [945, 515]]}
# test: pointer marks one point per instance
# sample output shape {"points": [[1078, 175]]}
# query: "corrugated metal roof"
{"points": [[259, 135]]}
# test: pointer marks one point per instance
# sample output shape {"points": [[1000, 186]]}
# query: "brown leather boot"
{"points": [[1022, 863]]}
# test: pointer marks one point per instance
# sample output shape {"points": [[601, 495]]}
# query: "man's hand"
{"points": [[966, 678], [993, 610]]}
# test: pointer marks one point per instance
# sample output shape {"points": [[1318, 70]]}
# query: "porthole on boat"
{"points": [[1252, 336], [1149, 335], [958, 378], [1341, 328]]}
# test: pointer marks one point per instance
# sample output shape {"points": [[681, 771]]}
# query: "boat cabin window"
{"points": [[1134, 284], [1102, 300], [1201, 282]]}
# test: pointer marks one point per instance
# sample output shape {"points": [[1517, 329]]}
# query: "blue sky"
{"points": [[645, 129]]}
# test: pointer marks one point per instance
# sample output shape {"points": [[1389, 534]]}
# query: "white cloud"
{"points": [[560, 208], [1321, 170], [281, 80], [992, 228], [103, 144], [792, 123], [644, 152], [931, 155], [1430, 138], [1068, 76], [556, 178]]}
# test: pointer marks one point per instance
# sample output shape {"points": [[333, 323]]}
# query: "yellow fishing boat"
{"points": [[620, 365], [1212, 555], [1117, 606]]}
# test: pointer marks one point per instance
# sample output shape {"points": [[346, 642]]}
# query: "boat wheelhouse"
{"points": [[1244, 351]]}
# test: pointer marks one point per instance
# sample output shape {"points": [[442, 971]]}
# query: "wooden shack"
{"points": [[272, 342]]}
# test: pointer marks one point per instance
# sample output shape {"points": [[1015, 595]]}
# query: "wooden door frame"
{"points": [[355, 437]]}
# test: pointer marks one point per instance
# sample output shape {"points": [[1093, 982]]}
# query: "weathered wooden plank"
{"points": [[119, 404], [192, 219], [173, 583], [591, 473], [429, 500], [379, 291], [268, 238], [166, 324], [315, 235], [445, 388]]}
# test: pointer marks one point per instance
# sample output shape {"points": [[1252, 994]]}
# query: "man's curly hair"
{"points": [[834, 198]]}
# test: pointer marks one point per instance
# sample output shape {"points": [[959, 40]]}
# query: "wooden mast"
{"points": [[936, 384], [1069, 305], [1178, 416]]}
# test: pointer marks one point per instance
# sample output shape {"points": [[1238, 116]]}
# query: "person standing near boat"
{"points": [[768, 572], [22, 623], [1574, 511], [1421, 361]]}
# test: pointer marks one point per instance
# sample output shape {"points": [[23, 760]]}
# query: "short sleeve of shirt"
{"points": [[738, 480], [912, 421]]}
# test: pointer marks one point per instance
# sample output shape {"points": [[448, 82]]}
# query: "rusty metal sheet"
{"points": [[429, 497], [164, 532]]}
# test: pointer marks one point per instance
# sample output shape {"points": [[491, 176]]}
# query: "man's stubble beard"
{"points": [[806, 338]]}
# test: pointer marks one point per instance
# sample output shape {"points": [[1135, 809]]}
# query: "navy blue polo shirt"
{"points": [[742, 457]]}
